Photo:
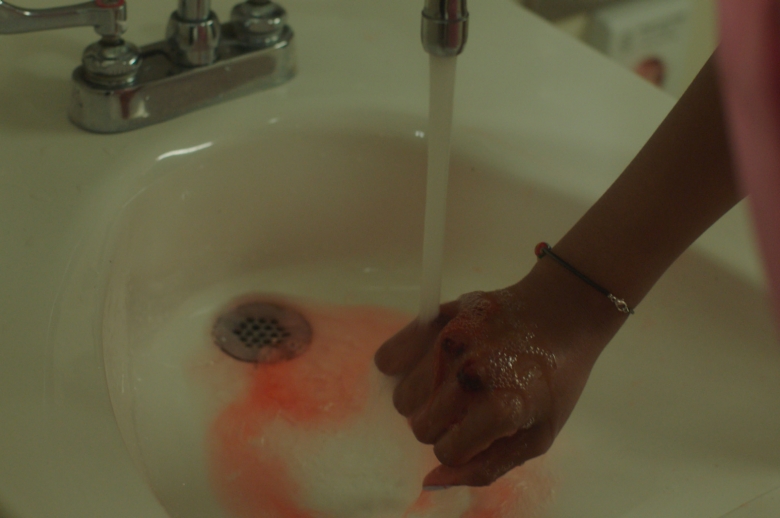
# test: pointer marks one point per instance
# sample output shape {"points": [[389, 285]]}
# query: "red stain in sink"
{"points": [[521, 493], [423, 503], [320, 391], [256, 489]]}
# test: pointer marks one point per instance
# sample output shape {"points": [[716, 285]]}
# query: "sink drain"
{"points": [[262, 332]]}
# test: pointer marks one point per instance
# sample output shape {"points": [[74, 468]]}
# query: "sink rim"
{"points": [[42, 230]]}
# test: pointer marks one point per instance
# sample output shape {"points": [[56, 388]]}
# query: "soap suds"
{"points": [[318, 437]]}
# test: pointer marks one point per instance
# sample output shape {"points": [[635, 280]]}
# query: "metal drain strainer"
{"points": [[262, 332]]}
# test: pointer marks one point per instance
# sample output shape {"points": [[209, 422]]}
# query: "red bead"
{"points": [[541, 248], [103, 4]]}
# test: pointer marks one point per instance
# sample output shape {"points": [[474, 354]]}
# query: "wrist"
{"points": [[568, 307], [544, 250]]}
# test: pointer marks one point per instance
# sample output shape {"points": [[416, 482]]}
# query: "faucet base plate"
{"points": [[163, 89]]}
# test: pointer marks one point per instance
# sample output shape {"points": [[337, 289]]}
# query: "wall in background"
{"points": [[703, 39], [704, 36]]}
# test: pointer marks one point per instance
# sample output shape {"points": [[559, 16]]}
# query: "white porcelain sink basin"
{"points": [[119, 251]]}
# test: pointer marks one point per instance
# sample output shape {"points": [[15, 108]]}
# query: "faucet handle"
{"points": [[259, 23], [111, 62], [108, 17]]}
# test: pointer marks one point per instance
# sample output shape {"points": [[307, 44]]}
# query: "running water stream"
{"points": [[442, 94]]}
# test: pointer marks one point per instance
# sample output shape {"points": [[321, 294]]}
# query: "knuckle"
{"points": [[444, 456], [545, 443], [401, 401], [447, 455], [422, 431], [537, 444], [387, 361], [380, 361], [538, 448], [447, 312]]}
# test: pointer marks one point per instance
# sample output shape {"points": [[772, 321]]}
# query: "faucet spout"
{"points": [[194, 10], [108, 17], [444, 27]]}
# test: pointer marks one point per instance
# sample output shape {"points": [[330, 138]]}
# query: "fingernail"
{"points": [[435, 488]]}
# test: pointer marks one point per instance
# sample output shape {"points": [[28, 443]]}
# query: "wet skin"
{"points": [[491, 382]]}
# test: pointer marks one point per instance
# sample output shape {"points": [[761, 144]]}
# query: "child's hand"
{"points": [[491, 382]]}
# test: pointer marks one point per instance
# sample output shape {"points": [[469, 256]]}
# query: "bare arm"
{"points": [[493, 380], [679, 184]]}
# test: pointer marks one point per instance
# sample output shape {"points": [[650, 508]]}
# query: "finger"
{"points": [[401, 352], [445, 408], [490, 417], [416, 388], [447, 312], [504, 455]]}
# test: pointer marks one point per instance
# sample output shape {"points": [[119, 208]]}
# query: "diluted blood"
{"points": [[317, 436]]}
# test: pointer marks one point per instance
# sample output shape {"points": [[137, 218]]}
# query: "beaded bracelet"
{"points": [[543, 249]]}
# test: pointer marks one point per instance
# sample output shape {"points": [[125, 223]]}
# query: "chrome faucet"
{"points": [[445, 25], [119, 87], [108, 18]]}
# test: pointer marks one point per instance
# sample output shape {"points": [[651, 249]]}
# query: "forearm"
{"points": [[509, 366], [676, 187]]}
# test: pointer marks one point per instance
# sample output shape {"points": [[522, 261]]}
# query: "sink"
{"points": [[120, 252], [335, 218]]}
